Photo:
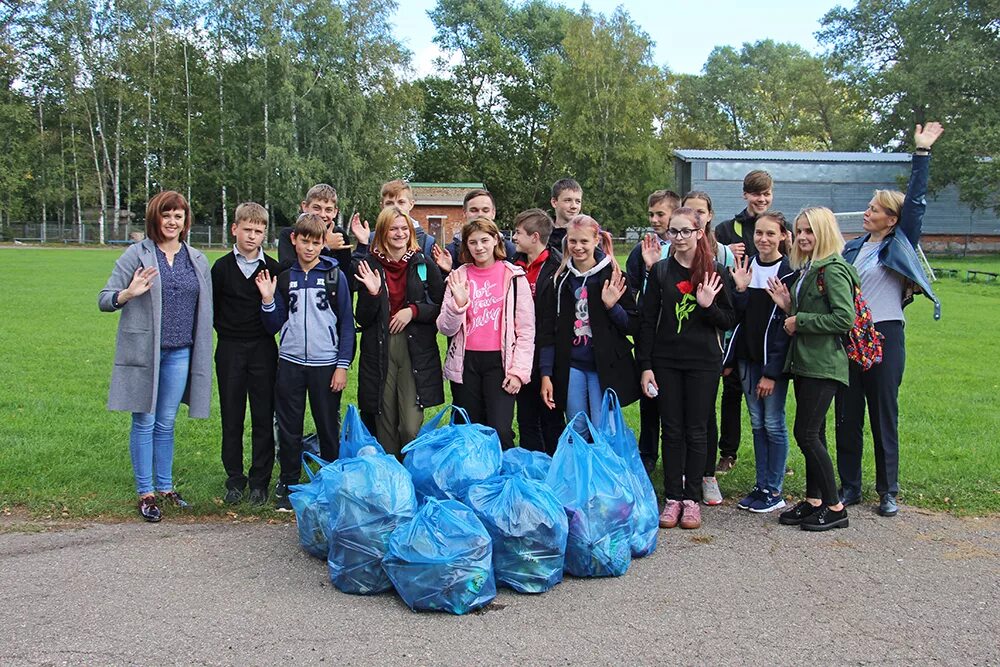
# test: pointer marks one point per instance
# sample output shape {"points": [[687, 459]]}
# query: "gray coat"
{"points": [[135, 377]]}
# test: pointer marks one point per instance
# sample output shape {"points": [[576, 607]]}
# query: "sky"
{"points": [[685, 31]]}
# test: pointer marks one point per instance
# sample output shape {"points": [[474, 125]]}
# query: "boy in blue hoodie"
{"points": [[311, 305]]}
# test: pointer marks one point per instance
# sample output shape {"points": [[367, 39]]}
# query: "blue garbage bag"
{"points": [[312, 514], [524, 462], [589, 479], [354, 435], [645, 516], [442, 559], [529, 529], [446, 461], [368, 497]]}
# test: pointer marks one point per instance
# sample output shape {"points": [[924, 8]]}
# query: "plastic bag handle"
{"points": [[309, 457], [590, 425], [609, 405], [436, 420]]}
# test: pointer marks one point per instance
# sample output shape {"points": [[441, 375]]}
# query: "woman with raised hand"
{"points": [[820, 310], [886, 260], [163, 352]]}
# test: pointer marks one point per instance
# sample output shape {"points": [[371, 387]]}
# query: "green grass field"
{"points": [[63, 454]]}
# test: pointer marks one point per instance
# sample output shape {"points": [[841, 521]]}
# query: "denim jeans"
{"points": [[583, 394], [770, 430], [151, 441]]}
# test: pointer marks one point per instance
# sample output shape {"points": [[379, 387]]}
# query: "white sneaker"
{"points": [[710, 493]]}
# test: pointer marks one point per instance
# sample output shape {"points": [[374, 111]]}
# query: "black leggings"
{"points": [[685, 404], [813, 397], [482, 395]]}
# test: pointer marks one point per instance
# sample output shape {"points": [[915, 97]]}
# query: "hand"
{"points": [[362, 232], [779, 294], [142, 282], [707, 290], [726, 372], [738, 249], [266, 286], [369, 277], [765, 387], [399, 321], [647, 379], [926, 135], [613, 289], [791, 325], [651, 250], [442, 258], [511, 384], [459, 285], [742, 273], [334, 240], [547, 393], [339, 380]]}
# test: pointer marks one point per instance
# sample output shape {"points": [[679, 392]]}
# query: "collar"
{"points": [[239, 255]]}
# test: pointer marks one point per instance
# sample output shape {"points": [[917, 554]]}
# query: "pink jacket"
{"points": [[517, 330]]}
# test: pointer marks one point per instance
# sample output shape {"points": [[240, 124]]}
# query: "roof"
{"points": [[789, 156], [466, 186]]}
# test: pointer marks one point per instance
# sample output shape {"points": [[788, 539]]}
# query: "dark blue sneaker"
{"points": [[768, 503], [755, 494]]}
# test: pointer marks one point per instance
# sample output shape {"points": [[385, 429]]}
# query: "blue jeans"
{"points": [[583, 394], [770, 431], [151, 441]]}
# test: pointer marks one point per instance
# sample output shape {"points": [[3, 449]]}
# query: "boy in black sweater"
{"points": [[246, 357]]}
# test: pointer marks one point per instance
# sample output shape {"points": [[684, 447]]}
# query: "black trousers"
{"points": [[293, 384], [538, 427], [684, 400], [247, 369], [481, 394], [813, 397], [730, 415], [649, 430], [879, 388]]}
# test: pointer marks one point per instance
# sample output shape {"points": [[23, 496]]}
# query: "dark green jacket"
{"points": [[817, 348]]}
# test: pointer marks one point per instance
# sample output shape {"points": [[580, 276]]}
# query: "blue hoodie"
{"points": [[312, 333]]}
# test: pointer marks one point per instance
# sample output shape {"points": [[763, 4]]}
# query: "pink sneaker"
{"points": [[671, 514], [692, 515]]}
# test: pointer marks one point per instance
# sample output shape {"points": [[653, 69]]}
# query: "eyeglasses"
{"points": [[683, 233]]}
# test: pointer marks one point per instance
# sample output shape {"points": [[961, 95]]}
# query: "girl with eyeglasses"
{"points": [[686, 308]]}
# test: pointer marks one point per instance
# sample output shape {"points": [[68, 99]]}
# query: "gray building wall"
{"points": [[840, 184]]}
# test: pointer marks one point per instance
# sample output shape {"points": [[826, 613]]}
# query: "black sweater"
{"points": [[236, 300], [696, 344]]}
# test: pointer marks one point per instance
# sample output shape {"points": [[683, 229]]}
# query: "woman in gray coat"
{"points": [[163, 352]]}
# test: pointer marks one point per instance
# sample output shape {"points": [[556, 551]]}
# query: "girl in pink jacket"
{"points": [[489, 315]]}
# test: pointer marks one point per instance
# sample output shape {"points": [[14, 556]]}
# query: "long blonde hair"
{"points": [[829, 240]]}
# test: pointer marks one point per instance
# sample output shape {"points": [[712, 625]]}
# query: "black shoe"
{"points": [[888, 506], [281, 502], [797, 514], [175, 499], [825, 518], [233, 496], [148, 509], [258, 496], [849, 497]]}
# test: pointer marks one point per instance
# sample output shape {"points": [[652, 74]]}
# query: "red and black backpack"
{"points": [[863, 342]]}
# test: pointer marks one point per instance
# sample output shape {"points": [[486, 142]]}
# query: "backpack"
{"points": [[863, 342]]}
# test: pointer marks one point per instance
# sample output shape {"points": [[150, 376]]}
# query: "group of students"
{"points": [[546, 322]]}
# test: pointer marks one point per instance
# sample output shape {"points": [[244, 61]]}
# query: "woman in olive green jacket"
{"points": [[820, 307]]}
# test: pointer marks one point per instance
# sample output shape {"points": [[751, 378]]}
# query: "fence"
{"points": [[89, 233]]}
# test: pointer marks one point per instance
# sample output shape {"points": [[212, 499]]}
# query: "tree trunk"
{"points": [[76, 182], [100, 178], [187, 86], [41, 153]]}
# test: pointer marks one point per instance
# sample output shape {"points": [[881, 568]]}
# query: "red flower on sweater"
{"points": [[685, 287]]}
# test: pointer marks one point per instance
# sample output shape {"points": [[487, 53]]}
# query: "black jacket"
{"points": [[286, 251], [726, 232], [544, 288], [372, 318], [612, 349], [776, 341]]}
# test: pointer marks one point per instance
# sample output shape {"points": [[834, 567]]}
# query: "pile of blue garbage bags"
{"points": [[459, 516]]}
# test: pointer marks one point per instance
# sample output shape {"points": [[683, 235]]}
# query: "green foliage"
{"points": [[921, 60]]}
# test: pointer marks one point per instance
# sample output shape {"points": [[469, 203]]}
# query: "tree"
{"points": [[925, 60]]}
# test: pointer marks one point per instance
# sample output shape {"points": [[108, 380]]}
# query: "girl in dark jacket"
{"points": [[399, 298], [686, 308], [756, 355], [585, 326], [886, 260]]}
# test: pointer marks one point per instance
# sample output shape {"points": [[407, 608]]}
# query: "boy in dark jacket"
{"points": [[246, 357], [738, 235], [538, 426], [310, 304], [321, 199]]}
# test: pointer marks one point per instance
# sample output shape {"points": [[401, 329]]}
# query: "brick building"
{"points": [[439, 207]]}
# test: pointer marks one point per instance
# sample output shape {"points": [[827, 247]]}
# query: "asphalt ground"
{"points": [[921, 588]]}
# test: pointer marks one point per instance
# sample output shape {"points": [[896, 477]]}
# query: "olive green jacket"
{"points": [[817, 348]]}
